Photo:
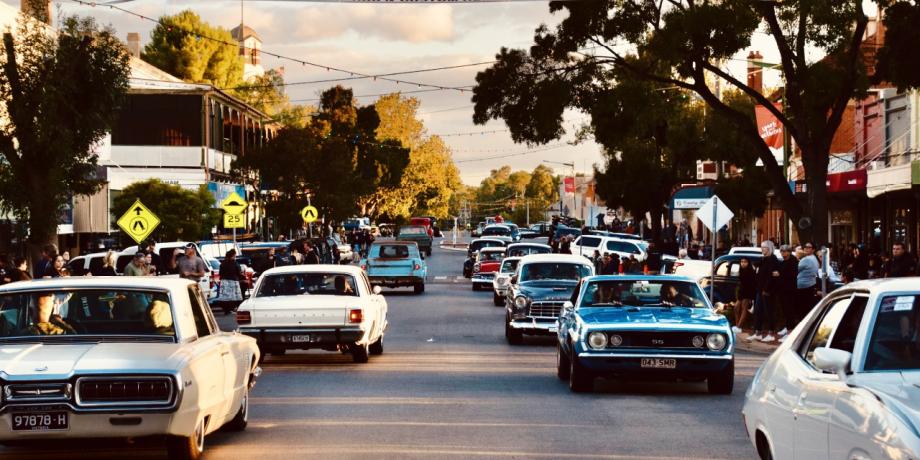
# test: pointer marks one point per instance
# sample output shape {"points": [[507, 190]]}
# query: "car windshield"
{"points": [[895, 342], [497, 231], [307, 284], [413, 231], [393, 251], [642, 293], [86, 312], [477, 245], [491, 256], [526, 250], [554, 271], [509, 266]]}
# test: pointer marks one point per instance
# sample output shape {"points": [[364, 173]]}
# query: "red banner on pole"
{"points": [[771, 131], [569, 184]]}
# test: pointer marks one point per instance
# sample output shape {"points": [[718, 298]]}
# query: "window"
{"points": [[554, 271], [643, 293], [723, 269], [735, 270], [588, 241], [837, 327], [895, 341], [293, 284], [394, 251], [623, 247], [202, 325]]}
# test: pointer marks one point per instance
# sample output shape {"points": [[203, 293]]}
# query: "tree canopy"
{"points": [[509, 192], [60, 94], [681, 44], [184, 214], [177, 46]]}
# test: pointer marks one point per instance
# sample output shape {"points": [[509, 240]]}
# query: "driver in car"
{"points": [[672, 296], [342, 287], [49, 323]]}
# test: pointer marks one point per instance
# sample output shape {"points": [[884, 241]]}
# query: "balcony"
{"points": [[155, 156]]}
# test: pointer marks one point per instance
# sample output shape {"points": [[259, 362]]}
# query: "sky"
{"points": [[381, 38]]}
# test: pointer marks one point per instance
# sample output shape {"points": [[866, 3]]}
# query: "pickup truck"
{"points": [[328, 307], [417, 233], [396, 264]]}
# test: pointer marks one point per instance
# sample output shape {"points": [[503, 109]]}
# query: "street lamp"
{"points": [[571, 165]]}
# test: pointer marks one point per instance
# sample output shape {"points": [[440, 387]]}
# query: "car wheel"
{"points": [[359, 353], [723, 382], [580, 380], [377, 347], [763, 447], [498, 300], [475, 287], [187, 447], [419, 288], [514, 336], [241, 419], [428, 252], [562, 364]]}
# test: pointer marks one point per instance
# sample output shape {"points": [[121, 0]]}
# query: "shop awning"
{"points": [[849, 181], [891, 179]]}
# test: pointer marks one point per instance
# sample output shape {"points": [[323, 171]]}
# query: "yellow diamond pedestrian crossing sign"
{"points": [[138, 222]]}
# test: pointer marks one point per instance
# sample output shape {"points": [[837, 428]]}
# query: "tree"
{"points": [[681, 44], [266, 93], [184, 214], [193, 50], [60, 95]]}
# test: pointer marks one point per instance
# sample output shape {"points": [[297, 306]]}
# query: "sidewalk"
{"points": [[755, 346]]}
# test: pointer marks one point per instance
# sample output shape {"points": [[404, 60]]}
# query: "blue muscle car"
{"points": [[658, 327]]}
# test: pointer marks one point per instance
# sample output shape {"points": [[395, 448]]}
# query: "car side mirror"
{"points": [[514, 279], [376, 290], [568, 307], [833, 360]]}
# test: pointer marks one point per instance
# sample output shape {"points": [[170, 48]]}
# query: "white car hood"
{"points": [[898, 390], [31, 361]]}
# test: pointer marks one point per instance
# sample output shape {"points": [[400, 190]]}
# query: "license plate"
{"points": [[659, 363], [553, 329], [40, 421], [303, 338]]}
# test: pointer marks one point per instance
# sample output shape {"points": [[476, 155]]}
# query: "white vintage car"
{"points": [[846, 383], [119, 357], [328, 307]]}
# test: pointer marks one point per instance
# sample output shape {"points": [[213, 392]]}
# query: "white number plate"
{"points": [[40, 421], [659, 363], [305, 338]]}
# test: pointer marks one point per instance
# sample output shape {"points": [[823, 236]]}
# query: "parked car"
{"points": [[488, 261], [435, 228], [502, 281], [539, 288], [541, 229], [396, 264], [122, 357], [166, 251], [726, 280], [328, 307], [526, 249], [500, 231], [844, 384], [418, 234], [648, 326], [473, 248], [87, 263], [697, 270], [528, 234], [356, 223]]}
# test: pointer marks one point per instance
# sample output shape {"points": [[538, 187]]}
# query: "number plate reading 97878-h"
{"points": [[40, 421]]}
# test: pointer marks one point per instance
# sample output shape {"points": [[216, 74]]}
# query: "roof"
{"points": [[142, 70], [79, 282], [539, 245], [247, 32], [637, 277], [493, 249], [321, 268], [879, 286], [536, 258]]}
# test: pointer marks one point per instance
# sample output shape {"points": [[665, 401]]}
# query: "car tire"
{"points": [[763, 447], [376, 348], [241, 419], [428, 252], [513, 336], [419, 288], [580, 380], [359, 353], [722, 383], [187, 447], [498, 300], [562, 364], [475, 287]]}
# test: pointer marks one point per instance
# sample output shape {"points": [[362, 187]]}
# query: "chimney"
{"points": [[134, 44], [38, 9], [755, 71]]}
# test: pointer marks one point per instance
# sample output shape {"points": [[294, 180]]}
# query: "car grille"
{"points": [[37, 392], [132, 391], [545, 309], [636, 339]]}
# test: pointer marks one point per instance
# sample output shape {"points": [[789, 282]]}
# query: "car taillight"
{"points": [[364, 267], [243, 317], [417, 267], [355, 316]]}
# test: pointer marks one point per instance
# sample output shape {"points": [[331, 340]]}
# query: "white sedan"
{"points": [[328, 307], [119, 357], [846, 383]]}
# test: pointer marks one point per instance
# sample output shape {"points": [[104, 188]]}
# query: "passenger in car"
{"points": [[160, 317], [342, 287], [48, 323]]}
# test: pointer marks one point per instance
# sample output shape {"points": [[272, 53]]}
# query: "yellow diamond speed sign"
{"points": [[234, 204], [233, 220], [309, 214], [138, 222]]}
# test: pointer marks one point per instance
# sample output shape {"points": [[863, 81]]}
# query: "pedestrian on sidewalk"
{"points": [[786, 295], [55, 269], [747, 292], [20, 270], [901, 263], [767, 283], [806, 282], [230, 294]]}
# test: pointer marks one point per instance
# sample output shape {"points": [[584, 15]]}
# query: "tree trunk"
{"points": [[815, 159], [42, 231]]}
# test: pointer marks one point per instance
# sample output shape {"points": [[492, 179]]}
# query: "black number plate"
{"points": [[40, 421]]}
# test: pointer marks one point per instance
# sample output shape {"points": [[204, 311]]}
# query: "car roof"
{"points": [[266, 244], [498, 225], [489, 238], [539, 245], [880, 286], [665, 278], [314, 268], [80, 282], [493, 249], [534, 258], [396, 242]]}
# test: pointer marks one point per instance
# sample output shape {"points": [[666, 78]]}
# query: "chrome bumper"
{"points": [[588, 354], [546, 325]]}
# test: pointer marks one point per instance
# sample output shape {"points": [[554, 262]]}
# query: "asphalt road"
{"points": [[448, 386]]}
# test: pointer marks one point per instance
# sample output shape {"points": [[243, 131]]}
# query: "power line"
{"points": [[525, 152]]}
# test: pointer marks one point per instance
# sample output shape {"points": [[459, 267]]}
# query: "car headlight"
{"points": [[698, 341], [616, 340], [715, 342], [520, 301], [597, 340], [502, 281]]}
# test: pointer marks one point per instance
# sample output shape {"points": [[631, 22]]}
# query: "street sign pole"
{"points": [[712, 267], [310, 224]]}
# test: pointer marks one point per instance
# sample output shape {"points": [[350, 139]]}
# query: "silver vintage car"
{"points": [[119, 357]]}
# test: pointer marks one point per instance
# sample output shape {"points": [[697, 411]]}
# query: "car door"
{"points": [[213, 367], [378, 305], [836, 327]]}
